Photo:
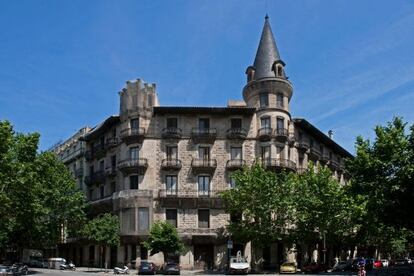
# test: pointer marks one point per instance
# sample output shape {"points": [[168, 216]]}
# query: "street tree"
{"points": [[103, 231], [164, 238]]}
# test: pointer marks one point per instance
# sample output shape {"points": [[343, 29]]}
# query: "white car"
{"points": [[385, 263], [239, 265]]}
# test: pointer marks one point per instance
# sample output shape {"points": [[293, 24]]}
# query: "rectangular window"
{"points": [[204, 218], [264, 100], [101, 166], [236, 123], [134, 123], [279, 100], [102, 191], [171, 216], [172, 122], [172, 152], [113, 161], [265, 153], [280, 123], [236, 153], [280, 151], [133, 182], [90, 195], [232, 183], [113, 187], [204, 153], [171, 184], [203, 185], [265, 122], [321, 149], [143, 218], [149, 98], [134, 153], [203, 123], [128, 220]]}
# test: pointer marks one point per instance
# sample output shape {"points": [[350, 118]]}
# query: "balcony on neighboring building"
{"points": [[69, 156], [203, 135], [324, 159], [302, 146], [97, 177], [96, 152], [100, 205], [111, 143], [281, 134], [133, 165], [314, 154], [278, 164], [133, 135], [235, 164], [236, 133], [264, 133], [171, 133], [205, 198], [171, 164], [79, 172], [334, 165], [110, 171], [200, 165]]}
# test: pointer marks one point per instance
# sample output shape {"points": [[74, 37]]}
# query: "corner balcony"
{"points": [[302, 146], [95, 178], [174, 198], [314, 154], [171, 164], [281, 134], [171, 133], [264, 134], [132, 135], [203, 165], [111, 143], [203, 135], [235, 164], [133, 165], [236, 133], [279, 164]]}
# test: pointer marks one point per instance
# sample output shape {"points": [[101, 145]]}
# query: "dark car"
{"points": [[146, 267], [342, 266], [172, 268], [315, 268], [356, 263], [399, 262], [369, 264]]}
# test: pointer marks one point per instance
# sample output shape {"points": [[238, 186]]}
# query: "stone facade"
{"points": [[152, 163]]}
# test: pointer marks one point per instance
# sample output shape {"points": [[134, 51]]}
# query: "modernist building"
{"points": [[154, 162]]}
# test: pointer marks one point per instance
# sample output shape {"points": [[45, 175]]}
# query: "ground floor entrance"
{"points": [[204, 256]]}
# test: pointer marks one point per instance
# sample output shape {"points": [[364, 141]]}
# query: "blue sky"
{"points": [[62, 63]]}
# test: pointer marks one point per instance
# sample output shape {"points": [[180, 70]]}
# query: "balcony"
{"points": [[110, 171], [173, 198], [68, 156], [279, 164], [324, 159], [281, 134], [203, 165], [97, 177], [334, 165], [171, 133], [79, 172], [203, 135], [302, 146], [236, 133], [96, 152], [314, 154], [264, 133], [133, 165], [235, 164], [171, 164], [111, 143], [133, 135]]}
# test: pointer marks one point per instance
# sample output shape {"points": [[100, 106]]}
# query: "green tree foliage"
{"points": [[383, 173], [164, 238], [38, 196], [324, 206], [264, 203]]}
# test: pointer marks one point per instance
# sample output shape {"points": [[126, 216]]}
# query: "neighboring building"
{"points": [[155, 162]]}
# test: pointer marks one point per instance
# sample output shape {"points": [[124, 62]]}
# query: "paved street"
{"points": [[400, 271]]}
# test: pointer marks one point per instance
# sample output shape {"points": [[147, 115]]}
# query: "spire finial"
{"points": [[266, 17]]}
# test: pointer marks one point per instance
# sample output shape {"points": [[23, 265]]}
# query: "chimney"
{"points": [[330, 134]]}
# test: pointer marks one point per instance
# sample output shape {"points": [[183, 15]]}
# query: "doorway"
{"points": [[204, 256]]}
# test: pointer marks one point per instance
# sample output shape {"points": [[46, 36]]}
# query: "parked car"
{"points": [[400, 262], [369, 264], [171, 268], [342, 266], [288, 267], [378, 264], [385, 263], [315, 268], [5, 270], [239, 265], [20, 269], [147, 267], [356, 263]]}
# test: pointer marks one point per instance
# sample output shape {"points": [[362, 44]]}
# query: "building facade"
{"points": [[153, 162]]}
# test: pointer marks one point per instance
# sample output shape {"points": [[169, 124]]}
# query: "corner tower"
{"points": [[269, 91]]}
